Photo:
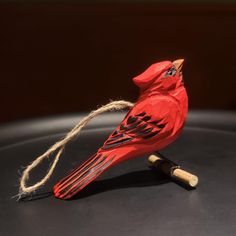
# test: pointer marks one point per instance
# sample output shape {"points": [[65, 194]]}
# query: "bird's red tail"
{"points": [[83, 175]]}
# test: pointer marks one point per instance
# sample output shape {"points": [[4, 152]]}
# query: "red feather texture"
{"points": [[154, 122]]}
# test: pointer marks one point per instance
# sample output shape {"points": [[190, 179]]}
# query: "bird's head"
{"points": [[163, 76]]}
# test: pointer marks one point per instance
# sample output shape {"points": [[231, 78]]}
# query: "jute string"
{"points": [[60, 145]]}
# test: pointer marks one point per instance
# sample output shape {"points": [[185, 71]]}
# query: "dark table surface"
{"points": [[129, 199]]}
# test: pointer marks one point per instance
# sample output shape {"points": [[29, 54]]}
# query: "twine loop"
{"points": [[60, 145]]}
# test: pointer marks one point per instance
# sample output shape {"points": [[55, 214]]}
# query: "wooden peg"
{"points": [[173, 170]]}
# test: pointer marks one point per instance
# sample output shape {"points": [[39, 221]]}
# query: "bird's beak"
{"points": [[178, 64]]}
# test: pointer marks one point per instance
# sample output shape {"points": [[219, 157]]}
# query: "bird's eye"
{"points": [[171, 72]]}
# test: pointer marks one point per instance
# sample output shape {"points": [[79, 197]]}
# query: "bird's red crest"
{"points": [[151, 74]]}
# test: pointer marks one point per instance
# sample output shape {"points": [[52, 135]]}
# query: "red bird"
{"points": [[155, 121]]}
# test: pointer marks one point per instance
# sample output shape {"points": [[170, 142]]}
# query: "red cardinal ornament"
{"points": [[155, 121]]}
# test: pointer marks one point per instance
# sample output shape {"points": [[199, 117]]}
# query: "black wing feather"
{"points": [[140, 126]]}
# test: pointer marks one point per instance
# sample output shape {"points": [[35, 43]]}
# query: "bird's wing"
{"points": [[135, 127]]}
